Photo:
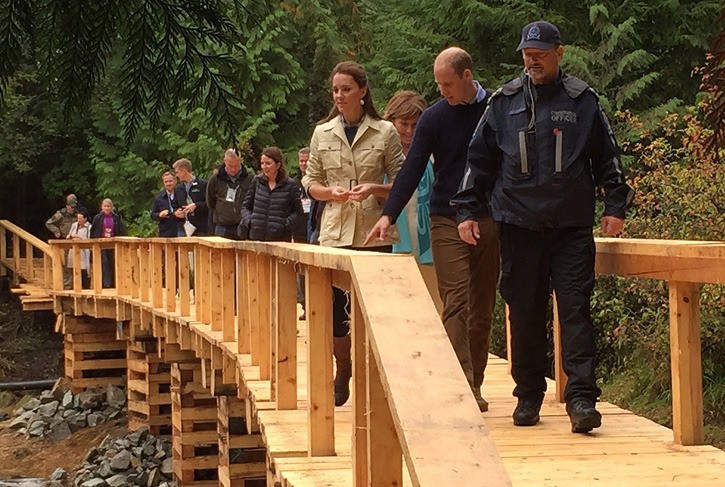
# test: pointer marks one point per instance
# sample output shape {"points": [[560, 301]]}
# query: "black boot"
{"points": [[341, 350], [583, 415], [527, 411]]}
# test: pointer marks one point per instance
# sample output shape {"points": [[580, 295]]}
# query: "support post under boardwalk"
{"points": [[320, 403], [686, 363]]}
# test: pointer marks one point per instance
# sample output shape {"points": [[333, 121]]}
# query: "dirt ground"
{"points": [[29, 347], [38, 457], [31, 350]]}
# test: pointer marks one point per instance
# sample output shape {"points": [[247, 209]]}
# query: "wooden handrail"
{"points": [[26, 236], [400, 343], [26, 270], [684, 264]]}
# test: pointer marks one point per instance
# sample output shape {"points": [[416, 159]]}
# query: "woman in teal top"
{"points": [[403, 110]]}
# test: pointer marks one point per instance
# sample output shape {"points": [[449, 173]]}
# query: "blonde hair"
{"points": [[405, 105]]}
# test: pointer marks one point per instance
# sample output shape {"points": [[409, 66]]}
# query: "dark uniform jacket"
{"points": [[270, 215], [169, 226], [197, 194], [224, 196], [538, 155]]}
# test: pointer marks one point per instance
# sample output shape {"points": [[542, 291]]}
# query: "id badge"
{"points": [[231, 195], [306, 205]]}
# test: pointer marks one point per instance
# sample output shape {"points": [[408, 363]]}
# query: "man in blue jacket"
{"points": [[164, 206], [542, 148]]}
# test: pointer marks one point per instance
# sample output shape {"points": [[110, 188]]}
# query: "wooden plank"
{"points": [[170, 268], [202, 300], [217, 303], [359, 394], [411, 347], [134, 271], [686, 363], [119, 268], [184, 280], [384, 455], [286, 335], [253, 291], [320, 400], [77, 281], [157, 286], [264, 286], [57, 268], [96, 274], [243, 306]]}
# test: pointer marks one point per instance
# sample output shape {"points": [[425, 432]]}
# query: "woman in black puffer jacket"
{"points": [[272, 204]]}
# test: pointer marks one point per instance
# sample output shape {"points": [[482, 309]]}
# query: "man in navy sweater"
{"points": [[163, 208], [467, 274]]}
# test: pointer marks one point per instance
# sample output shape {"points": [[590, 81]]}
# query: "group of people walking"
{"points": [[481, 184]]}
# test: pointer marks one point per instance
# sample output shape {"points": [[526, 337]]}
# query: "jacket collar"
{"points": [[335, 126]]}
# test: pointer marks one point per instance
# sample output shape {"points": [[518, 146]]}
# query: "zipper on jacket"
{"points": [[559, 147], [523, 152]]}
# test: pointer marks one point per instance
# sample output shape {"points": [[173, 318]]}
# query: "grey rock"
{"points": [[60, 431], [115, 414], [31, 404], [68, 413], [167, 468], [149, 450], [94, 419], [107, 442], [6, 399], [67, 399], [37, 428], [105, 470], [21, 431], [90, 399], [46, 397], [155, 478], [61, 387], [142, 479], [136, 437], [17, 423], [94, 483], [115, 397], [59, 474], [3, 415], [121, 461], [77, 421], [48, 409], [56, 483], [117, 481]]}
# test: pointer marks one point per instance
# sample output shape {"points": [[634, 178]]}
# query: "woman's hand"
{"points": [[361, 191], [339, 194]]}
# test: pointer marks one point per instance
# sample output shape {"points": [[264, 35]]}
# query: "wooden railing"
{"points": [[685, 265], [17, 251], [411, 402]]}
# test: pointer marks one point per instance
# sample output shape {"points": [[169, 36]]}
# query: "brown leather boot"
{"points": [[341, 350]]}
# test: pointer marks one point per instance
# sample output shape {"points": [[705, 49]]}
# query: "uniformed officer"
{"points": [[542, 148]]}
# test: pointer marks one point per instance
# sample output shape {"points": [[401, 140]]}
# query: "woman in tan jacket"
{"points": [[354, 157]]}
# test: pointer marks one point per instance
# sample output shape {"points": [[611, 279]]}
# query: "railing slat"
{"points": [[242, 302], [264, 286], [77, 268], [286, 336], [96, 268], [359, 394], [184, 280], [170, 261], [157, 287], [227, 295], [686, 363], [320, 401]]}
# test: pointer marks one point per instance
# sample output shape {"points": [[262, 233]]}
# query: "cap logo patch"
{"points": [[534, 34]]}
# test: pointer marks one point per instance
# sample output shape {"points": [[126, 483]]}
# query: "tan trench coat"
{"points": [[376, 152]]}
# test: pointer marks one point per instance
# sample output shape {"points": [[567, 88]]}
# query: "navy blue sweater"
{"points": [[445, 131]]}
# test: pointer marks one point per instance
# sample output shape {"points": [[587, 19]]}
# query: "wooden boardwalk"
{"points": [[415, 406]]}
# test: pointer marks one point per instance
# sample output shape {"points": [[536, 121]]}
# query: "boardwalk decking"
{"points": [[626, 451]]}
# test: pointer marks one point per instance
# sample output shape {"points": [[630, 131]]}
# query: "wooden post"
{"points": [[29, 260], [686, 363], [385, 456], [227, 282], [16, 260], [264, 286], [135, 282], [320, 402], [201, 293], [242, 302], [184, 282], [170, 262], [358, 330], [157, 287], [77, 269], [47, 270], [119, 271], [96, 264], [286, 336], [216, 289], [559, 374], [253, 302], [57, 267]]}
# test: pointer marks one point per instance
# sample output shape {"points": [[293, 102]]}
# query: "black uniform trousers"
{"points": [[532, 264]]}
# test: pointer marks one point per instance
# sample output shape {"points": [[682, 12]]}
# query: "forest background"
{"points": [[99, 97]]}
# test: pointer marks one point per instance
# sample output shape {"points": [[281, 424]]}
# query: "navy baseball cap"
{"points": [[539, 35]]}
